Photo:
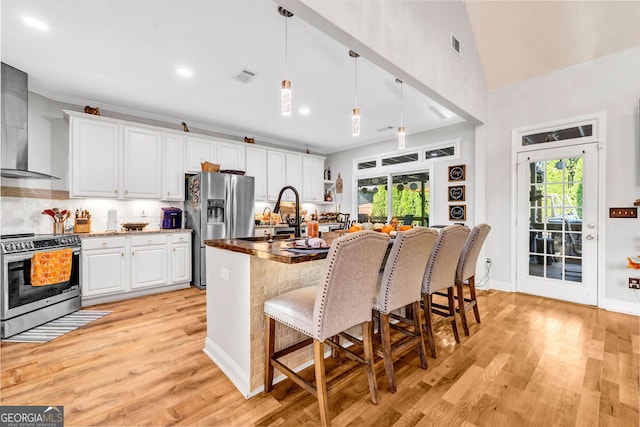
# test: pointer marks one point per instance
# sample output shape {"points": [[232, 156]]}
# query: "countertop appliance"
{"points": [[218, 206], [24, 306], [171, 218]]}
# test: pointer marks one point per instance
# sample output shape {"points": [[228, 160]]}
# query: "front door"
{"points": [[557, 233]]}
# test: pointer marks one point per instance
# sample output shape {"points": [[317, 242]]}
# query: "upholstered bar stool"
{"points": [[341, 301], [466, 273], [401, 286], [440, 275]]}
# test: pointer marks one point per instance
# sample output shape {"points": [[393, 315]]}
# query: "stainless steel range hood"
{"points": [[15, 116]]}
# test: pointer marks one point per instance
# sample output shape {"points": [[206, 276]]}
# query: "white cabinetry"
{"points": [[257, 168], [275, 173], [180, 258], [104, 266], [173, 174], [148, 260], [113, 160], [142, 163], [120, 267], [231, 156], [312, 184], [293, 175], [200, 149], [95, 158]]}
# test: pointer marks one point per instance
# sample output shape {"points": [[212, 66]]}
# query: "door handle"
{"points": [[591, 225], [589, 237]]}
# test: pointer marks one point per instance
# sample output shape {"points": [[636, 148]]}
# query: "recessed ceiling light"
{"points": [[184, 72], [304, 110], [35, 23]]}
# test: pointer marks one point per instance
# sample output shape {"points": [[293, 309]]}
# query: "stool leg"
{"points": [[386, 351], [452, 312], [472, 289], [367, 341], [463, 314], [417, 323], [270, 340], [321, 381], [427, 322]]}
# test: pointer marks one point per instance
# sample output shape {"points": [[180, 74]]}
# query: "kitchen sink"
{"points": [[263, 238]]}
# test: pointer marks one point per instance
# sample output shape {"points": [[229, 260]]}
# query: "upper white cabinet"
{"points": [[142, 163], [231, 156], [95, 151], [173, 174], [293, 175], [200, 149], [313, 180], [275, 173], [257, 167]]}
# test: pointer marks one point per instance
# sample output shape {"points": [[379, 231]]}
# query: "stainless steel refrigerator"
{"points": [[218, 206]]}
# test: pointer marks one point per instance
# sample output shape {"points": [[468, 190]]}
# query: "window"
{"points": [[439, 153], [558, 135], [367, 165], [406, 158]]}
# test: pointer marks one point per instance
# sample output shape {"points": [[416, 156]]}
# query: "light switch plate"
{"points": [[623, 212]]}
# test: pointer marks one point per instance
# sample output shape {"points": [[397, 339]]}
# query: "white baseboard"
{"points": [[118, 296], [619, 306], [238, 376], [500, 286]]}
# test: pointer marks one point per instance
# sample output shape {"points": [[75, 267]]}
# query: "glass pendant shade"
{"points": [[355, 122], [285, 98], [401, 135]]}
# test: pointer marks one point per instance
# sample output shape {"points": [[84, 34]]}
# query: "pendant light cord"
{"points": [[401, 103], [286, 37], [355, 96]]}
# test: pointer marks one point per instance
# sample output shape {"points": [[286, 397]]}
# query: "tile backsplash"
{"points": [[24, 215]]}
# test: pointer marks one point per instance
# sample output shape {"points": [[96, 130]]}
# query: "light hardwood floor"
{"points": [[532, 361]]}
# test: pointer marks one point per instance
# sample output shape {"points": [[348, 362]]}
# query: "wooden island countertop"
{"points": [[275, 251]]}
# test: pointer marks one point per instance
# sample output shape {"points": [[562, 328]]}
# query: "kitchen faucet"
{"points": [[276, 209]]}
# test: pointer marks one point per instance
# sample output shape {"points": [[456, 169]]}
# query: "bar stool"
{"points": [[466, 272], [401, 286], [439, 275], [341, 301]]}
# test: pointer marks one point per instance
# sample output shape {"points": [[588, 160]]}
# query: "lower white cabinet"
{"points": [[180, 256], [148, 260], [104, 266], [120, 267]]}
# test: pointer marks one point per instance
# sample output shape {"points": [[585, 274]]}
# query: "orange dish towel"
{"points": [[50, 268]]}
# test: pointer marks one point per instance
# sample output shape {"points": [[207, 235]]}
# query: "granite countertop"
{"points": [[131, 233], [272, 251], [304, 224]]}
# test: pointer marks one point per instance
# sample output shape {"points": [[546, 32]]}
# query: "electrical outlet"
{"points": [[489, 261], [634, 282]]}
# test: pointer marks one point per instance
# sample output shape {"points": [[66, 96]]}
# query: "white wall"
{"points": [[609, 84], [342, 163], [411, 40]]}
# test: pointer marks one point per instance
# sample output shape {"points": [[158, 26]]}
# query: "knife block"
{"points": [[81, 226]]}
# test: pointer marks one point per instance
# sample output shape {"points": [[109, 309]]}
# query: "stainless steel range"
{"points": [[23, 305]]}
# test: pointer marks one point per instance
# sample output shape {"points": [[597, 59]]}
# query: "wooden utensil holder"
{"points": [[82, 226]]}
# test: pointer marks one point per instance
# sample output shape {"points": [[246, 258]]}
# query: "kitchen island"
{"points": [[241, 275]]}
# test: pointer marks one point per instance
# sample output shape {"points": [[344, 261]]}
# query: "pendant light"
{"points": [[285, 92], [401, 131], [355, 118]]}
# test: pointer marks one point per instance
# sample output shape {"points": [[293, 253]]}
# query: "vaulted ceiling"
{"points": [[123, 55], [518, 40]]}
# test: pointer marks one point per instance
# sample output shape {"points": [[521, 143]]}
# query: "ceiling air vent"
{"points": [[455, 44], [245, 76]]}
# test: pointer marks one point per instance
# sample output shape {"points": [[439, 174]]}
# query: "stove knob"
{"points": [[28, 245], [9, 247], [18, 246], [63, 240]]}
